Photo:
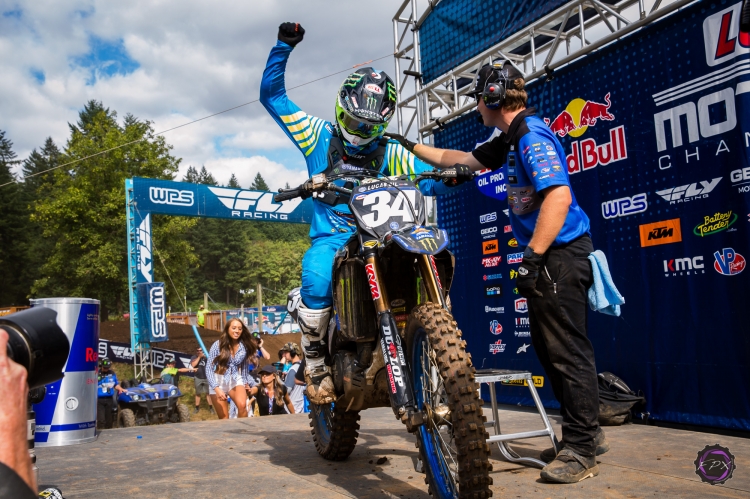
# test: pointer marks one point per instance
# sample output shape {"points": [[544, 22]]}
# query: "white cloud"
{"points": [[195, 58], [245, 169]]}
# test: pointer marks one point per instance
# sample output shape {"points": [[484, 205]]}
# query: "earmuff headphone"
{"points": [[493, 94]]}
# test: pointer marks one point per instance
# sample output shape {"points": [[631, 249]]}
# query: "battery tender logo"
{"points": [[728, 262], [254, 204], [715, 223]]}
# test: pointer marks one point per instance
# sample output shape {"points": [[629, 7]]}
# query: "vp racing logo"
{"points": [[254, 204]]}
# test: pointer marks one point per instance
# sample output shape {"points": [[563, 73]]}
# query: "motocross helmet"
{"points": [[364, 105], [105, 364]]}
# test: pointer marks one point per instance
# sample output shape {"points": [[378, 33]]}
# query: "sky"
{"points": [[173, 61]]}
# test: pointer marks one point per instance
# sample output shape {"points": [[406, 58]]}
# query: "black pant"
{"points": [[104, 406], [558, 333]]}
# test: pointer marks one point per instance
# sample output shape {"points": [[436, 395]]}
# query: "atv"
{"points": [[147, 403]]}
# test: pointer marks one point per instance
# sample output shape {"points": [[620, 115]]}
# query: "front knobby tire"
{"points": [[334, 429], [126, 418], [454, 449]]}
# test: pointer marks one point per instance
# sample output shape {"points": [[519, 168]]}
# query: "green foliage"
{"points": [[13, 233], [84, 209], [259, 183], [233, 182]]}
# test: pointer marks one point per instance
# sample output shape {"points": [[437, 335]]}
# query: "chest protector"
{"points": [[341, 163]]}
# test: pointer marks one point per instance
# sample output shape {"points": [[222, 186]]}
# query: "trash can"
{"points": [[67, 415]]}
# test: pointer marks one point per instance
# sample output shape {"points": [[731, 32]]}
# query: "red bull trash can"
{"points": [[67, 415]]}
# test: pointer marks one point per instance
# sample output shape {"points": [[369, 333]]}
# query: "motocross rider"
{"points": [[364, 105]]}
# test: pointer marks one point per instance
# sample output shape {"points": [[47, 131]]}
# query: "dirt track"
{"points": [[182, 339]]}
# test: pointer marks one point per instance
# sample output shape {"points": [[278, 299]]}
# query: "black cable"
{"points": [[191, 122]]}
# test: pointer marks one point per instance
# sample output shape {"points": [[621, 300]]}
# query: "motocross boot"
{"points": [[314, 326]]}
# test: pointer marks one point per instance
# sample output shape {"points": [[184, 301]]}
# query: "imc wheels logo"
{"points": [[728, 262], [714, 464]]}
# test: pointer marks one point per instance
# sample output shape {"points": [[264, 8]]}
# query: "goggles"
{"points": [[353, 126]]}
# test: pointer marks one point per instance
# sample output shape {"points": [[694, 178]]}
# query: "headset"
{"points": [[493, 94]]}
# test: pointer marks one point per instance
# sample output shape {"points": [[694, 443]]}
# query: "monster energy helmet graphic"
{"points": [[714, 464], [364, 105]]}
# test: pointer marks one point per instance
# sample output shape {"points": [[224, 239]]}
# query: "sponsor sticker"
{"points": [[489, 247], [492, 277], [538, 382], [522, 306], [728, 262], [514, 258], [714, 464], [491, 261], [684, 266], [495, 290], [488, 217], [373, 281], [664, 232], [497, 310], [497, 347], [522, 334], [507, 229], [717, 222], [513, 243], [495, 327]]}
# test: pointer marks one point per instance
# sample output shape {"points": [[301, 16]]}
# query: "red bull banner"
{"points": [[656, 132]]}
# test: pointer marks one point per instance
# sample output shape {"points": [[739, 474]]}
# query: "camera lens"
{"points": [[37, 343]]}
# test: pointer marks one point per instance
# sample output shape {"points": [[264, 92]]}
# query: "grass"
{"points": [[187, 387]]}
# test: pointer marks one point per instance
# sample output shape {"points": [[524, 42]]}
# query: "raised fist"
{"points": [[291, 33]]}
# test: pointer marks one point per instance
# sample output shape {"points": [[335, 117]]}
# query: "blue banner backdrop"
{"points": [[657, 130], [152, 308]]}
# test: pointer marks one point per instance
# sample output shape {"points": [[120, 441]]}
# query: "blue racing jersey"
{"points": [[312, 136], [532, 160], [107, 385]]}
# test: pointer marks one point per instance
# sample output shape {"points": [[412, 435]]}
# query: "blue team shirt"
{"points": [[312, 137], [539, 163], [107, 385]]}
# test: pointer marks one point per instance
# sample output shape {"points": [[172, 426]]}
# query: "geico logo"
{"points": [[144, 248], [489, 230], [239, 200], [740, 175], [624, 206], [721, 37], [682, 264], [586, 154], [165, 195], [687, 192]]}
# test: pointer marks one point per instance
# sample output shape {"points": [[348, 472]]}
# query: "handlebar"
{"points": [[319, 183]]}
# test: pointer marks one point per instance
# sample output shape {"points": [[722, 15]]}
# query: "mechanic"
{"points": [[107, 393], [365, 104], [555, 273], [201, 316]]}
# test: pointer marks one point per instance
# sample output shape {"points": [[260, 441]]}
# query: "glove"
{"points": [[408, 144], [528, 273], [291, 33], [463, 173]]}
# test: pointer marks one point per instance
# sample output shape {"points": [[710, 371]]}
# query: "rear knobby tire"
{"points": [[126, 418], [183, 412], [334, 430], [435, 346]]}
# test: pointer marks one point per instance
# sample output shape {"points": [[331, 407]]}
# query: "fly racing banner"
{"points": [[152, 311], [656, 130], [122, 352]]}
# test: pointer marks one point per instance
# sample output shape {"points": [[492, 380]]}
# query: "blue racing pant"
{"points": [[317, 268]]}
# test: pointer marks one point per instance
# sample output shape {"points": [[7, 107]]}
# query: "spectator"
{"points": [[198, 362], [292, 353], [107, 392], [168, 373], [16, 476], [261, 352], [227, 371], [201, 316], [271, 394]]}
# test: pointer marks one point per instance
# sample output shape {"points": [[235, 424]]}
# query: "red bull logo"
{"points": [[579, 115], [587, 154]]}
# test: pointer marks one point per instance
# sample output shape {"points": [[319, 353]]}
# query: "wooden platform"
{"points": [[274, 457]]}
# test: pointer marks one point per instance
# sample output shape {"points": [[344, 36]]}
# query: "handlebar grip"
{"points": [[286, 195]]}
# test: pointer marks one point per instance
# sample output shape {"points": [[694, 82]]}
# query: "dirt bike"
{"points": [[390, 288]]}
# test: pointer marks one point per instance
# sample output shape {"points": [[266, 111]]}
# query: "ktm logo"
{"points": [[579, 115], [657, 233], [489, 247]]}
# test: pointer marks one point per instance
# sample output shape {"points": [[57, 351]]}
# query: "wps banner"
{"points": [[152, 311], [200, 200], [121, 352]]}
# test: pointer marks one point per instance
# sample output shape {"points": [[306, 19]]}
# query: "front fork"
{"points": [[400, 388]]}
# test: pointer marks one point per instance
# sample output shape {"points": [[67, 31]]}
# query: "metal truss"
{"points": [[559, 38], [141, 351]]}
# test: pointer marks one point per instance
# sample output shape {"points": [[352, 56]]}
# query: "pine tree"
{"points": [[233, 182], [259, 184], [204, 177], [86, 117], [13, 234], [191, 175], [37, 168]]}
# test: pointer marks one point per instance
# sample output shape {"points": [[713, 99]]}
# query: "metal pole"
{"points": [[400, 115], [260, 308], [420, 100]]}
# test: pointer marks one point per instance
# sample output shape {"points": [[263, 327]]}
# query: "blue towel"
{"points": [[603, 295]]}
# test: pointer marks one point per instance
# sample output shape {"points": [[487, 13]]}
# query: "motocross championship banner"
{"points": [[656, 128], [121, 352]]}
